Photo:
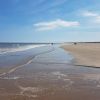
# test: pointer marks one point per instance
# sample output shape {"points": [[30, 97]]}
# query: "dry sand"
{"points": [[86, 54]]}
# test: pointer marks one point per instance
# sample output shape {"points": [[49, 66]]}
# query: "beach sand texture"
{"points": [[46, 73], [86, 54]]}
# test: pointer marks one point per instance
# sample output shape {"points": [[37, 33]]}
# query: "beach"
{"points": [[46, 73], [85, 54]]}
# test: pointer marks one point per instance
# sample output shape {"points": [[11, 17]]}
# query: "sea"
{"points": [[14, 47]]}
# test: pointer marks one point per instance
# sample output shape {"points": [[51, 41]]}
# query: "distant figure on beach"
{"points": [[75, 43]]}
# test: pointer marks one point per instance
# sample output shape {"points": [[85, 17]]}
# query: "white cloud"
{"points": [[55, 24], [89, 14], [95, 17], [97, 20]]}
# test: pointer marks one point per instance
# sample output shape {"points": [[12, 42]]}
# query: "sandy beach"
{"points": [[46, 73], [86, 54]]}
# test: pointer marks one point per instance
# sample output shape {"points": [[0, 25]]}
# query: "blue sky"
{"points": [[49, 20]]}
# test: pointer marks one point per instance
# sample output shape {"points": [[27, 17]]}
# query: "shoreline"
{"points": [[48, 75], [86, 54], [27, 61]]}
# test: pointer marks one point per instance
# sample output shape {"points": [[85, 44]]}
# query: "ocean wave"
{"points": [[19, 48]]}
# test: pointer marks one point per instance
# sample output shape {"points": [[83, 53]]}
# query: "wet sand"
{"points": [[48, 75], [86, 54]]}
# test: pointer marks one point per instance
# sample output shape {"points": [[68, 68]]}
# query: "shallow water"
{"points": [[47, 73]]}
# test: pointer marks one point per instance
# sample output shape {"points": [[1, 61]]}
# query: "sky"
{"points": [[49, 20]]}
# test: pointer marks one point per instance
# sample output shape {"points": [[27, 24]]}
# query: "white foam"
{"points": [[32, 96], [30, 89], [63, 77], [59, 74], [2, 74], [6, 50], [92, 77], [11, 78]]}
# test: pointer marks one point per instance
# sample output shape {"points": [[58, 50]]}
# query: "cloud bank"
{"points": [[41, 26]]}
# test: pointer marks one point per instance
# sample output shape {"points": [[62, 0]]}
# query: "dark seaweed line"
{"points": [[87, 66]]}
